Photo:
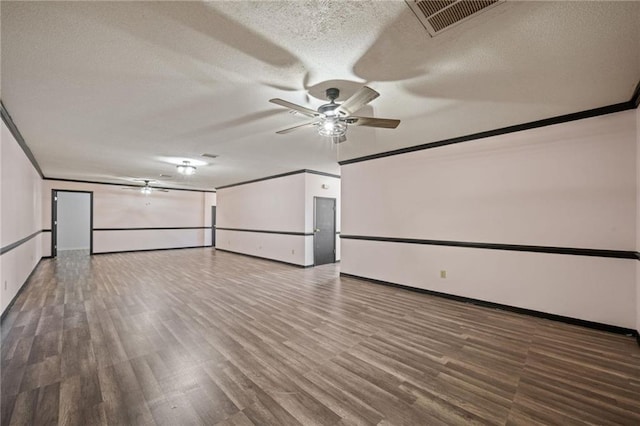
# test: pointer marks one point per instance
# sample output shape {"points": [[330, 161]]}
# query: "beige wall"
{"points": [[568, 185], [20, 189]]}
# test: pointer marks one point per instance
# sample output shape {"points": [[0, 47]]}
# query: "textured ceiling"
{"points": [[118, 90]]}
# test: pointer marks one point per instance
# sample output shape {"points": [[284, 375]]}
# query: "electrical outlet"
{"points": [[443, 274], [5, 284], [293, 252]]}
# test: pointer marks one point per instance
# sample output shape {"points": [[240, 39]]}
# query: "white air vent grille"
{"points": [[438, 15]]}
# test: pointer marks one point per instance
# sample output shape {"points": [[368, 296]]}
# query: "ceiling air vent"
{"points": [[438, 15]]}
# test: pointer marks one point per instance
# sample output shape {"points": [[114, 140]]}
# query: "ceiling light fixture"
{"points": [[331, 126], [186, 168], [332, 119], [146, 190]]}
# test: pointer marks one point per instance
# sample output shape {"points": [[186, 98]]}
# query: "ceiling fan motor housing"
{"points": [[327, 109]]}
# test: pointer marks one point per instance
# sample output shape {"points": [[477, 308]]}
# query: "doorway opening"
{"points": [[71, 222]]}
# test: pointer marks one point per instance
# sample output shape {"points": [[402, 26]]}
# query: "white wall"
{"points": [[20, 195], [74, 221], [117, 207], [567, 185], [269, 205]]}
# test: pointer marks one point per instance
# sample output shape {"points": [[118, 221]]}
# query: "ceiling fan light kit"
{"points": [[331, 126], [186, 168], [332, 119]]}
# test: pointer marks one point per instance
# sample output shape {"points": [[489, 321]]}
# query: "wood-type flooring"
{"points": [[199, 337]]}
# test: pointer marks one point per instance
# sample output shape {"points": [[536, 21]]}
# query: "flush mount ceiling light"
{"points": [[186, 168]]}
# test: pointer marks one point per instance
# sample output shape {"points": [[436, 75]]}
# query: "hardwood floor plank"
{"points": [[78, 356], [24, 410], [122, 397], [174, 410], [70, 392], [236, 386], [377, 377], [13, 368], [41, 374], [577, 404], [347, 406], [46, 412], [203, 337], [471, 401], [46, 345], [239, 419]]}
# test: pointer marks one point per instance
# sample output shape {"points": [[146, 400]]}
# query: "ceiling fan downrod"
{"points": [[332, 94], [327, 109]]}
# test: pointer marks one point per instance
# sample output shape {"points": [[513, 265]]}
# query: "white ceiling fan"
{"points": [[332, 119], [146, 189]]}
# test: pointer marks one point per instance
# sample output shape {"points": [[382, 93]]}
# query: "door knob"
{"points": [[316, 230]]}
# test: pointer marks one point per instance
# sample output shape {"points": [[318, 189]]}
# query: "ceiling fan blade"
{"points": [[159, 189], [290, 129], [357, 101], [338, 139], [299, 108], [386, 123]]}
